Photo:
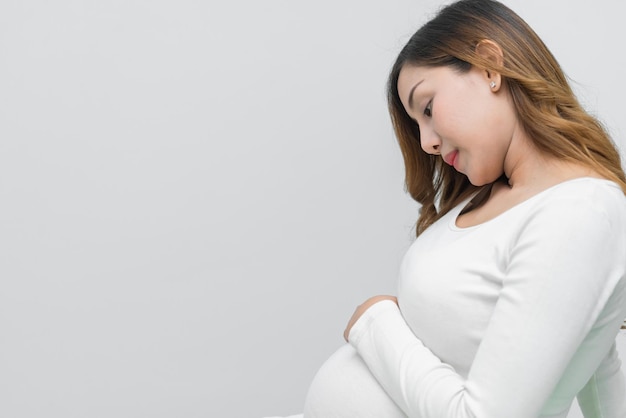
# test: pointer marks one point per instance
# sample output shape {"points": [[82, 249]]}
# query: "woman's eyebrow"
{"points": [[411, 93]]}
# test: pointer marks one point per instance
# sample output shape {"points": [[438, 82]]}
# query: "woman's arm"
{"points": [[565, 282]]}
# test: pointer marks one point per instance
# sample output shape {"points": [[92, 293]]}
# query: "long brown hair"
{"points": [[546, 106]]}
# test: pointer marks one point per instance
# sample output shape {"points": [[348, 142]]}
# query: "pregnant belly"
{"points": [[344, 388]]}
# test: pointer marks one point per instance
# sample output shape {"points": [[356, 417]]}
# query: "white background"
{"points": [[194, 195]]}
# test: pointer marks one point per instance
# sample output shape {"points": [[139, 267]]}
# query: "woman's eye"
{"points": [[428, 110]]}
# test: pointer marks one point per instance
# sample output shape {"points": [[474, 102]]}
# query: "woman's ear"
{"points": [[492, 54]]}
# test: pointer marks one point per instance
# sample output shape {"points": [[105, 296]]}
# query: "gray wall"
{"points": [[195, 195]]}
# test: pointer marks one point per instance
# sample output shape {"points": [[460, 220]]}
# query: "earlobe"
{"points": [[494, 80]]}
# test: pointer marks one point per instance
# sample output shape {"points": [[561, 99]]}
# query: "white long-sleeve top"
{"points": [[510, 318]]}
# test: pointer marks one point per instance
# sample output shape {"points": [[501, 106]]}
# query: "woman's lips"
{"points": [[450, 158]]}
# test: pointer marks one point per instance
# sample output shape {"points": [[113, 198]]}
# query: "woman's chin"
{"points": [[481, 180]]}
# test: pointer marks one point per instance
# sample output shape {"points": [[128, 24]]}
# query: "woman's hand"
{"points": [[364, 307]]}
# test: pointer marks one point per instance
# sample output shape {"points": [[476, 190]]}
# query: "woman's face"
{"points": [[461, 117]]}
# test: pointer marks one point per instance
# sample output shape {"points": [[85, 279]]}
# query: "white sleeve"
{"points": [[562, 269], [603, 395]]}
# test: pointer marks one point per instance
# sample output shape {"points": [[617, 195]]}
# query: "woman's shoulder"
{"points": [[586, 200], [592, 190]]}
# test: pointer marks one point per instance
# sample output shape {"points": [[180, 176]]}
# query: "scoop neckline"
{"points": [[452, 222]]}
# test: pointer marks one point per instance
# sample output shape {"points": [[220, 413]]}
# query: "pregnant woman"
{"points": [[512, 295]]}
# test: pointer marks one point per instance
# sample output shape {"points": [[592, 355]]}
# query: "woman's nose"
{"points": [[430, 141]]}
